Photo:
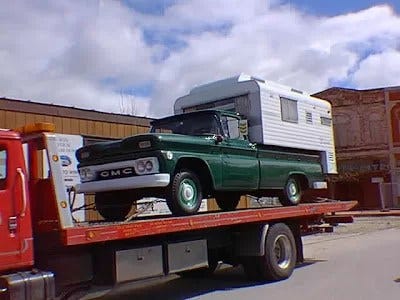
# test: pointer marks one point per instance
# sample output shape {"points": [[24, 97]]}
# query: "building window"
{"points": [[289, 110], [326, 121]]}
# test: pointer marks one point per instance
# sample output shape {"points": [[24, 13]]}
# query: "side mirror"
{"points": [[218, 138]]}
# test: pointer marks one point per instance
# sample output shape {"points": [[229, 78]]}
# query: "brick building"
{"points": [[367, 137]]}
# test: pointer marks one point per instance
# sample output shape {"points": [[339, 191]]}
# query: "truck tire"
{"points": [[185, 194], [112, 206], [227, 201], [291, 192], [279, 259]]}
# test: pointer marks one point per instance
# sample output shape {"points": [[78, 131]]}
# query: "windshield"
{"points": [[202, 124]]}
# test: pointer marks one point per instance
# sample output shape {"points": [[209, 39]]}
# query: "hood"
{"points": [[140, 143]]}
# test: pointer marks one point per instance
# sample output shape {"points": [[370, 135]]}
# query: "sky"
{"points": [[137, 56]]}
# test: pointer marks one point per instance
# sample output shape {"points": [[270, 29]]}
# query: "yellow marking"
{"points": [[36, 127], [63, 204], [90, 235], [55, 157]]}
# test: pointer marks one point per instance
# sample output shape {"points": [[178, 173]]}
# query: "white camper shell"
{"points": [[277, 115]]}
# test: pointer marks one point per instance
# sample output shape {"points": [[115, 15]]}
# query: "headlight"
{"points": [[148, 165], [141, 166], [86, 174]]}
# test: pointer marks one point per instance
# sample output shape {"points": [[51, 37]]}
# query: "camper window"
{"points": [[289, 110], [326, 121]]}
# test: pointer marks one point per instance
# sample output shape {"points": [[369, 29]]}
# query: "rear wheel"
{"points": [[112, 206], [291, 192], [186, 194], [227, 201], [279, 259]]}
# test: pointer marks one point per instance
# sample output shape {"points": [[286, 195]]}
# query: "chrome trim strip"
{"points": [[135, 182]]}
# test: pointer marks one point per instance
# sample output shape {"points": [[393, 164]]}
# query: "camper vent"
{"points": [[308, 117], [330, 156]]}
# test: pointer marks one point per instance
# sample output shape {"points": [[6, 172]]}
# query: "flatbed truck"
{"points": [[46, 254]]}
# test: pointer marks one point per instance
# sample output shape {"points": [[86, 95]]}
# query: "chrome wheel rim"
{"points": [[282, 251], [188, 193]]}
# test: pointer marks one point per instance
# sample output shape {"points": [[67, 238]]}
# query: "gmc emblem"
{"points": [[117, 173]]}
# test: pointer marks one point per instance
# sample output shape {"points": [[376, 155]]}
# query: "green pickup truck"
{"points": [[188, 157]]}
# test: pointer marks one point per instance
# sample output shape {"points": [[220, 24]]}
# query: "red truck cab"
{"points": [[16, 247]]}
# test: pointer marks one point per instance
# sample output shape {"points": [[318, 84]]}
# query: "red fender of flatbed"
{"points": [[95, 233]]}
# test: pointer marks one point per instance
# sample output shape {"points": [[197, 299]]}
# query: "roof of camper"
{"points": [[241, 78], [232, 87]]}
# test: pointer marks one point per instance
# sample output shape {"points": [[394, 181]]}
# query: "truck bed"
{"points": [[89, 233]]}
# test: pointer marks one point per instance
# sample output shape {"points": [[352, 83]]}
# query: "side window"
{"points": [[3, 168], [231, 127], [289, 110]]}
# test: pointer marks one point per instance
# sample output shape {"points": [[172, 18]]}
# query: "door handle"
{"points": [[23, 182]]}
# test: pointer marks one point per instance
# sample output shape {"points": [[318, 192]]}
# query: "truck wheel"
{"points": [[185, 196], [279, 259], [112, 206], [291, 192], [227, 201]]}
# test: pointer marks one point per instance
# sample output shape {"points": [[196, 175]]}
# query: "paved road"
{"points": [[340, 266]]}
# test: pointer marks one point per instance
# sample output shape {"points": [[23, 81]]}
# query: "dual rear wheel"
{"points": [[279, 258]]}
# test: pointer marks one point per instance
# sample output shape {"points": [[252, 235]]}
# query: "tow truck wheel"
{"points": [[291, 192], [227, 201], [112, 206], [185, 195], [279, 259]]}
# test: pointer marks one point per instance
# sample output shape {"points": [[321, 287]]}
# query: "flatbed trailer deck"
{"points": [[92, 233]]}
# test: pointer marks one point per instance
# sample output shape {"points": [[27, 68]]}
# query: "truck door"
{"points": [[240, 167], [16, 248]]}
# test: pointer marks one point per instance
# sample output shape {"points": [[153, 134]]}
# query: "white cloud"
{"points": [[280, 44], [84, 53], [379, 70], [72, 53]]}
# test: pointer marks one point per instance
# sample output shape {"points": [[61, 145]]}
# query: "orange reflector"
{"points": [[36, 127]]}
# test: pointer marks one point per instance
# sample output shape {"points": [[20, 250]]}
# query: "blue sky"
{"points": [[138, 56], [332, 7], [321, 7]]}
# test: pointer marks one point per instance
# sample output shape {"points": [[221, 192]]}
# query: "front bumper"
{"points": [[320, 185], [135, 182]]}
